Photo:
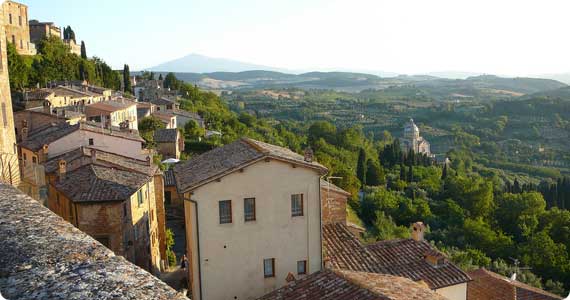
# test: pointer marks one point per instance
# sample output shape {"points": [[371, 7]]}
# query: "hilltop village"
{"points": [[261, 221]]}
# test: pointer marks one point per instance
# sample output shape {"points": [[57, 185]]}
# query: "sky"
{"points": [[506, 37]]}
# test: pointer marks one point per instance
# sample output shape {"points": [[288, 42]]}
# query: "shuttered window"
{"points": [[225, 211]]}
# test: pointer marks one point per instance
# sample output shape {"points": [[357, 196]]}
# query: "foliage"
{"points": [[169, 244]]}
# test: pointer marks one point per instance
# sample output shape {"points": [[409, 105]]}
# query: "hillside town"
{"points": [[259, 220]]}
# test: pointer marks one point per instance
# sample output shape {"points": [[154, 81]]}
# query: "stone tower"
{"points": [[412, 135], [9, 166]]}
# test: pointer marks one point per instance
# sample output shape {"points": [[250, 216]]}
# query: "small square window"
{"points": [[91, 142], [34, 159], [302, 267], [249, 209], [225, 207], [297, 205], [269, 267]]}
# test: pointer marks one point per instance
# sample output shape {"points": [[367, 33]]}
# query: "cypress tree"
{"points": [[444, 171], [361, 166], [127, 79], [402, 172], [83, 50], [410, 173], [160, 77]]}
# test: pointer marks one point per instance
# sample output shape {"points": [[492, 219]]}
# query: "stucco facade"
{"points": [[454, 292], [9, 165], [234, 253], [114, 113]]}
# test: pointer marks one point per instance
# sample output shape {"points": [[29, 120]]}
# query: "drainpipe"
{"points": [[197, 244], [321, 221]]}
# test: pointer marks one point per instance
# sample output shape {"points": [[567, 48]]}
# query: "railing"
{"points": [[9, 170]]}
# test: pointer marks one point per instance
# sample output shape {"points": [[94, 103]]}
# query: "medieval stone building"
{"points": [[9, 167]]}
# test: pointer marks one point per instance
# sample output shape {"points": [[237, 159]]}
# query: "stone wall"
{"points": [[16, 26], [44, 257], [9, 166]]}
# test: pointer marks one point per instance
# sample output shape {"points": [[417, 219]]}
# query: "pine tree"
{"points": [[361, 166], [127, 79], [83, 50]]}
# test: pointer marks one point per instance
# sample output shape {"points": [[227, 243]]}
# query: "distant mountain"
{"points": [[562, 77], [196, 63], [453, 74]]}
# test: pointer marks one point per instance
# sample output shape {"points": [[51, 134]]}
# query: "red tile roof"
{"points": [[489, 285], [344, 250], [348, 285], [406, 258]]}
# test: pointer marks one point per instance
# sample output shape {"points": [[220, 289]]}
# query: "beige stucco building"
{"points": [[9, 166], [121, 114], [253, 218], [16, 27]]}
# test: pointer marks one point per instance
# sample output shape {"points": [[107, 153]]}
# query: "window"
{"points": [[103, 240], [34, 159], [25, 157], [10, 17], [21, 44], [269, 267], [302, 267], [20, 20], [140, 197], [225, 211], [91, 142], [4, 115], [14, 40], [296, 205], [249, 209]]}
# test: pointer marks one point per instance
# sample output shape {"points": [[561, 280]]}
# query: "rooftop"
{"points": [[44, 257], [344, 251], [111, 106], [83, 156], [166, 135], [53, 132], [406, 258], [227, 159], [349, 285], [95, 183], [489, 285], [169, 178]]}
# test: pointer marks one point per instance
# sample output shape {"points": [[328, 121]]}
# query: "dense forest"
{"points": [[479, 214]]}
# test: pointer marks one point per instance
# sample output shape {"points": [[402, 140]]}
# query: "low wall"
{"points": [[44, 257]]}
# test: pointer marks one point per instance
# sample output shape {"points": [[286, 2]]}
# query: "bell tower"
{"points": [[9, 165]]}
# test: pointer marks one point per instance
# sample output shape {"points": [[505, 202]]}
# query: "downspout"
{"points": [[197, 244]]}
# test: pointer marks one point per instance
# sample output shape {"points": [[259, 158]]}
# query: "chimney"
{"points": [[62, 169], [309, 154], [93, 155], [44, 155], [418, 231], [24, 133]]}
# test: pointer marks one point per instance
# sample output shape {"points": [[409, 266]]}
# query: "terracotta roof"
{"points": [[489, 285], [38, 94], [47, 134], [348, 285], [166, 135], [163, 116], [187, 114], [169, 178], [406, 258], [345, 251], [162, 101], [224, 160], [95, 183], [111, 106], [83, 156], [53, 132]]}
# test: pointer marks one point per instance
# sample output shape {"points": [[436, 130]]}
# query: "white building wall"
{"points": [[104, 142], [232, 254], [454, 292]]}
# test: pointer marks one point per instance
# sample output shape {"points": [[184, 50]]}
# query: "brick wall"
{"points": [[333, 205]]}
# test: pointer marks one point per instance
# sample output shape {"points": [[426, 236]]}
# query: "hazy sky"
{"points": [[510, 37]]}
